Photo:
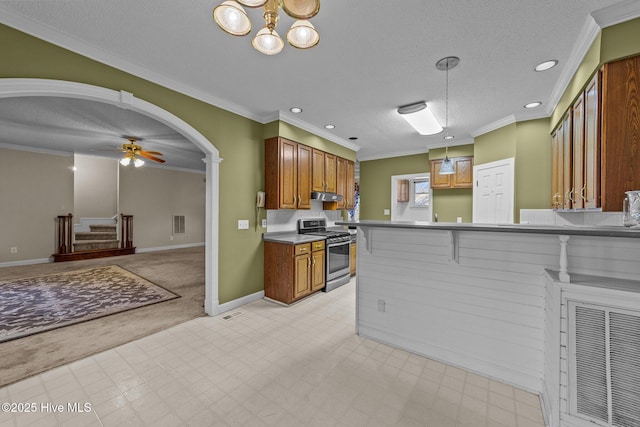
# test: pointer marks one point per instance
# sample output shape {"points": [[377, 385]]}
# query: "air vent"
{"points": [[605, 364], [232, 315], [178, 224]]}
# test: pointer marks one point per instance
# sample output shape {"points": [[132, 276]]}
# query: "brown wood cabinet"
{"points": [[292, 272], [403, 190], [324, 171], [620, 136], [353, 249], [462, 178], [350, 187], [599, 138], [288, 167]]}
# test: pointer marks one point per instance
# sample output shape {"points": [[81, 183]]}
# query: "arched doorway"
{"points": [[43, 87]]}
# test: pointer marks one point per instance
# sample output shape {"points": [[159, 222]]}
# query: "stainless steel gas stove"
{"points": [[337, 257]]}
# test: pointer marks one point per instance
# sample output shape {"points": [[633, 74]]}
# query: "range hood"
{"points": [[325, 196]]}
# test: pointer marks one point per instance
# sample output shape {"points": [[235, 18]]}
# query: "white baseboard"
{"points": [[25, 262], [227, 306], [166, 248]]}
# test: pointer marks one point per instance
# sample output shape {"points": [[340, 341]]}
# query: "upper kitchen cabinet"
{"points": [[620, 137], [324, 171], [288, 167], [345, 182], [462, 178], [596, 147]]}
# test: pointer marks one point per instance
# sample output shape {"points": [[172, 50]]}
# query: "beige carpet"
{"points": [[180, 271]]}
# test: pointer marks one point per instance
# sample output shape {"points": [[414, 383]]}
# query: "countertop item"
{"points": [[290, 237], [571, 230]]}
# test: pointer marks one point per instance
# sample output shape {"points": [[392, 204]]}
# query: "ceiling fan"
{"points": [[133, 151]]}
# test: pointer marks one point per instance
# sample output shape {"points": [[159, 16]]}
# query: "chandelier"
{"points": [[232, 19]]}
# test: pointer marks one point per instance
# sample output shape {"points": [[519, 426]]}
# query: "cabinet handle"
{"points": [[309, 260], [582, 195]]}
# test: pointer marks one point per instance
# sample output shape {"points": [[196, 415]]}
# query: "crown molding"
{"points": [[388, 155], [494, 125], [280, 115], [617, 13], [36, 150]]}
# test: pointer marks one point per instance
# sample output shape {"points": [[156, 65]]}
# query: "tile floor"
{"points": [[270, 366]]}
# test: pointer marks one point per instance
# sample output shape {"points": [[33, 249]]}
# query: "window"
{"points": [[420, 192]]}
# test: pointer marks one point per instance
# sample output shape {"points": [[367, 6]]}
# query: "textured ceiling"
{"points": [[369, 61]]}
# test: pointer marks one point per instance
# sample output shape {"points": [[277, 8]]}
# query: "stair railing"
{"points": [[126, 231], [65, 234]]}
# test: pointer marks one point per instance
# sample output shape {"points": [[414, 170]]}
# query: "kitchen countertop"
{"points": [[290, 237], [571, 230]]}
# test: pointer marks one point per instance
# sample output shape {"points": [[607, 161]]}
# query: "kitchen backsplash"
{"points": [[287, 219], [550, 217]]}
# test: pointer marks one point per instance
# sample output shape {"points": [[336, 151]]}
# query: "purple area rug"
{"points": [[37, 304]]}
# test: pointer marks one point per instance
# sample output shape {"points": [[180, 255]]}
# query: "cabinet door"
{"points": [[304, 176], [330, 173], [302, 284], [556, 169], [350, 190], [341, 180], [318, 170], [403, 190], [567, 171], [463, 178], [317, 270], [287, 171], [577, 146], [352, 253], [592, 143], [437, 180], [620, 131]]}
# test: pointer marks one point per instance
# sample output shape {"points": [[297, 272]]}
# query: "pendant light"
{"points": [[445, 64]]}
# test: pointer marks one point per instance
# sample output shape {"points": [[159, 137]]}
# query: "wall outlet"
{"points": [[264, 223], [387, 212], [14, 250], [459, 219], [243, 224]]}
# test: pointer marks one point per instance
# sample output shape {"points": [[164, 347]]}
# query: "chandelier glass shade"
{"points": [[125, 161], [233, 19]]}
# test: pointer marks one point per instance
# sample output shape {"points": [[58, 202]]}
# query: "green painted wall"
{"points": [[375, 182], [496, 145], [532, 166]]}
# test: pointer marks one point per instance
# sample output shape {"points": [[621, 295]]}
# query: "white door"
{"points": [[493, 200]]}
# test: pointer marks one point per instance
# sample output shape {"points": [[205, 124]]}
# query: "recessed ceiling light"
{"points": [[533, 104], [353, 138], [546, 65], [295, 110], [449, 137], [329, 126]]}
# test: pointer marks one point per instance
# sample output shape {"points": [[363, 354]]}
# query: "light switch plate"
{"points": [[387, 212], [243, 224]]}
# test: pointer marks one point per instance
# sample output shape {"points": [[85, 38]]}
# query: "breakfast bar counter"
{"points": [[488, 298]]}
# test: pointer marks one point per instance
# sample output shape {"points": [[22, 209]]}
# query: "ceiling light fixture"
{"points": [[295, 110], [533, 104], [420, 116], [445, 64], [546, 65], [232, 19], [329, 126]]}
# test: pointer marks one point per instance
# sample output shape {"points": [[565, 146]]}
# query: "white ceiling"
{"points": [[369, 61]]}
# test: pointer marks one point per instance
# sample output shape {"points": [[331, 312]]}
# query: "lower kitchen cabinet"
{"points": [[291, 271], [353, 249]]}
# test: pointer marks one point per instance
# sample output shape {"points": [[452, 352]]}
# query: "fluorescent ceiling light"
{"points": [[419, 116], [546, 65]]}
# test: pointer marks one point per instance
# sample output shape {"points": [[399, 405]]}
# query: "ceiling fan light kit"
{"points": [[132, 150], [232, 19]]}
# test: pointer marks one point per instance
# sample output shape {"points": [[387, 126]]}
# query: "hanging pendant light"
{"points": [[445, 64]]}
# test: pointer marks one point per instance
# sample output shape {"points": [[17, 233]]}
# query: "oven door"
{"points": [[338, 260]]}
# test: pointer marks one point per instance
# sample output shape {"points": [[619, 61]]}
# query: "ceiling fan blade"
{"points": [[157, 153], [150, 157]]}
